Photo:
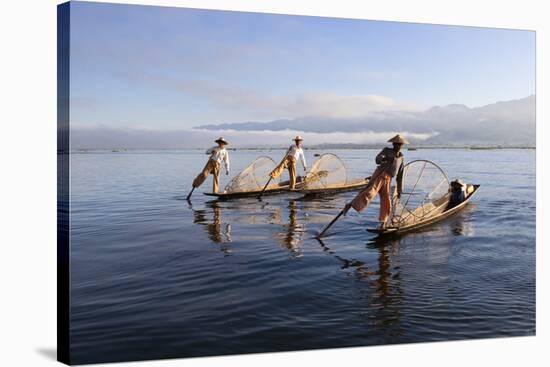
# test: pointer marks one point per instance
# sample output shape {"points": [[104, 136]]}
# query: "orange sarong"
{"points": [[379, 183], [212, 167], [289, 163]]}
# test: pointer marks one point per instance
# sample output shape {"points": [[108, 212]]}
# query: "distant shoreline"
{"points": [[359, 147], [316, 147]]}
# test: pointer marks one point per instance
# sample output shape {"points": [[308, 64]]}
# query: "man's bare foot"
{"points": [[382, 225]]}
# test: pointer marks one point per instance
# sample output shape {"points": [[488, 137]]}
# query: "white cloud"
{"points": [[267, 137], [338, 106], [106, 138], [264, 106]]}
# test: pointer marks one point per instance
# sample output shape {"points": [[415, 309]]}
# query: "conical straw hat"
{"points": [[398, 139], [458, 182]]}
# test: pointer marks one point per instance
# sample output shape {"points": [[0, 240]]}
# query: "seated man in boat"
{"points": [[292, 155], [390, 164], [458, 191], [217, 155]]}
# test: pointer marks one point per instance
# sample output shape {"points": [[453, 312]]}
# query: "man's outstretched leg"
{"points": [[385, 201]]}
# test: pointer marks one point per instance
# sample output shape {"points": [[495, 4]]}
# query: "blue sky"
{"points": [[175, 68]]}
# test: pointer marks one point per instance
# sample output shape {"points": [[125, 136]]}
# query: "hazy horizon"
{"points": [[510, 123]]}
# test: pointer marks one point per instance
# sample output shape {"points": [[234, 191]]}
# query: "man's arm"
{"points": [[381, 157], [211, 150], [226, 162], [399, 179], [303, 159]]}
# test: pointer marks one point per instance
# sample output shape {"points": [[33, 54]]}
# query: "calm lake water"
{"points": [[155, 277]]}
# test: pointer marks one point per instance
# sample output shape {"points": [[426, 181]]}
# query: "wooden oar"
{"points": [[190, 193], [271, 178], [330, 224], [265, 187], [342, 211]]}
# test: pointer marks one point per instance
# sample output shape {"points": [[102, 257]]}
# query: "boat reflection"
{"points": [[293, 232], [216, 229], [397, 256], [383, 293], [386, 299], [460, 226]]}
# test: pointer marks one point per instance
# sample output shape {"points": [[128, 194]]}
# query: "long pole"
{"points": [[190, 193], [330, 224], [271, 178], [265, 187], [342, 211]]}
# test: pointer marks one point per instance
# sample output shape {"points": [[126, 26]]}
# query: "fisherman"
{"points": [[390, 164], [217, 155], [293, 153], [458, 193]]}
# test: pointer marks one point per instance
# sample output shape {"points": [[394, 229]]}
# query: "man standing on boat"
{"points": [[390, 164], [217, 155], [293, 153]]}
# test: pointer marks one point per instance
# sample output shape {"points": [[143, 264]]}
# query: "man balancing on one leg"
{"points": [[217, 155], [390, 164], [293, 153]]}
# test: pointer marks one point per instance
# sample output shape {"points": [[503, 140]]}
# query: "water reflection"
{"points": [[383, 295], [292, 233], [461, 227], [384, 302], [216, 229], [428, 246], [420, 250], [380, 280]]}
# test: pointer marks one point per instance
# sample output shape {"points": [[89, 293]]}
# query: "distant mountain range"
{"points": [[510, 123], [502, 123]]}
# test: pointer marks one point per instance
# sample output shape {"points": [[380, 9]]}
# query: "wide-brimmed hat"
{"points": [[298, 138], [398, 139], [458, 182], [221, 140]]}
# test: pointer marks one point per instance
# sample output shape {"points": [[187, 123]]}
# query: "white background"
{"points": [[28, 183]]}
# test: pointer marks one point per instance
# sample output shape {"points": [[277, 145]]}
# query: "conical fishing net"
{"points": [[327, 171], [425, 190], [254, 177]]}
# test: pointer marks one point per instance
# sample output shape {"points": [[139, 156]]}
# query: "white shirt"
{"points": [[219, 155], [297, 153]]}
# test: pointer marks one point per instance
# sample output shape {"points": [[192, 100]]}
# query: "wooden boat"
{"points": [[283, 187], [440, 212], [350, 186], [325, 177]]}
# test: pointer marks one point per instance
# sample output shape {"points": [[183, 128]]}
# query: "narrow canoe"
{"points": [[446, 213], [284, 187], [273, 190], [350, 186]]}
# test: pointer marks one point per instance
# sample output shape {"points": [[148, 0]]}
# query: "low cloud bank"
{"points": [[508, 123], [108, 138], [502, 123]]}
